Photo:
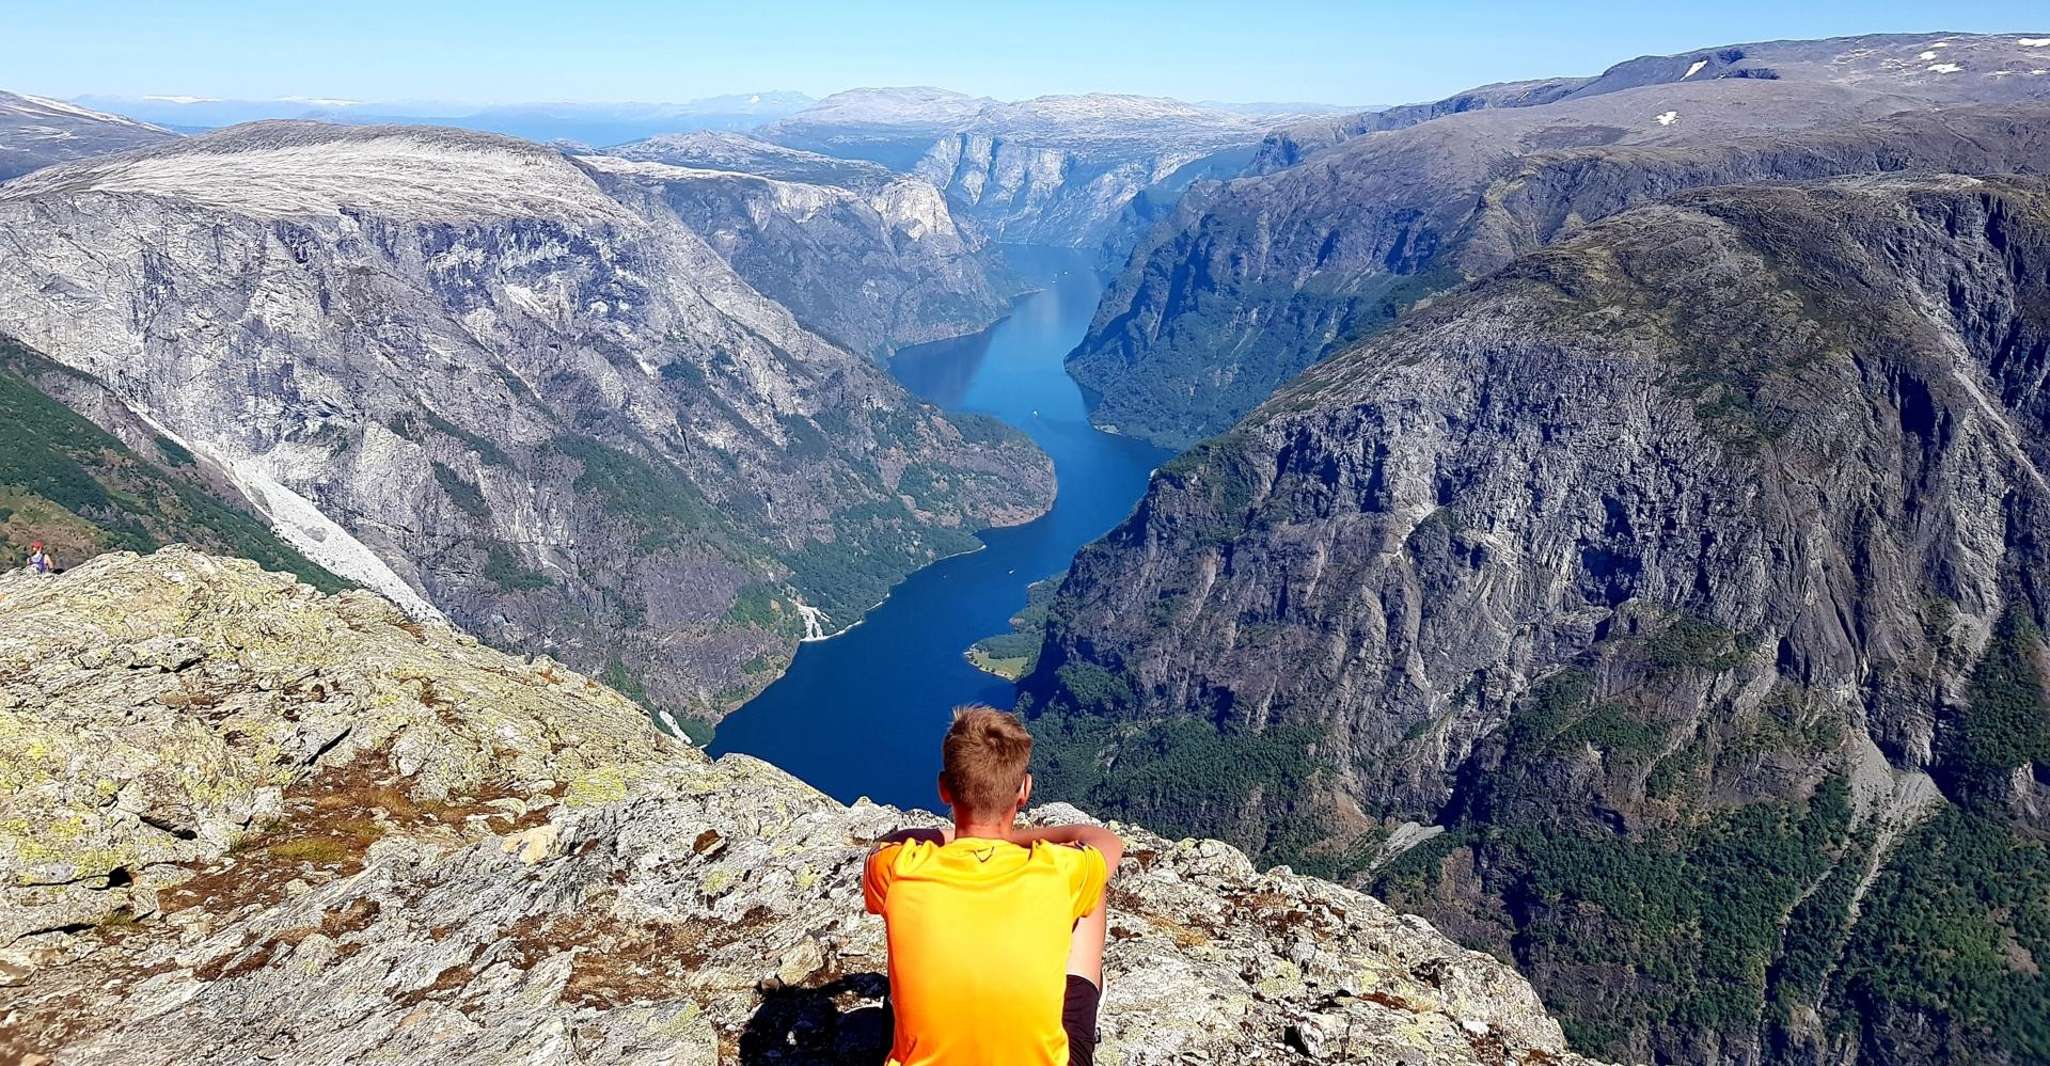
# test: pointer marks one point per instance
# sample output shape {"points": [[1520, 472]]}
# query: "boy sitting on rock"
{"points": [[996, 932]]}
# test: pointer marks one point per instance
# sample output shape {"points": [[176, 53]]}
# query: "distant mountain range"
{"points": [[36, 132], [584, 123], [610, 123], [1090, 171]]}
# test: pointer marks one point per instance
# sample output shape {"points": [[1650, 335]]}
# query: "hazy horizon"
{"points": [[522, 52], [737, 95]]}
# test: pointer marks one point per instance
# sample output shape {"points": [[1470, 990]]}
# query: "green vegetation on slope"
{"points": [[1175, 396], [66, 481], [1691, 915], [1184, 778], [874, 545], [1951, 941], [1948, 953], [1012, 655], [2006, 723], [659, 501], [502, 567]]}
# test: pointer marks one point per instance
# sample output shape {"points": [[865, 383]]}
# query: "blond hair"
{"points": [[983, 760]]}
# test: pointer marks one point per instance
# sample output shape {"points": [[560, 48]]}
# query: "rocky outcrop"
{"points": [[1676, 573], [243, 821], [36, 132], [867, 259], [450, 367], [1249, 283]]}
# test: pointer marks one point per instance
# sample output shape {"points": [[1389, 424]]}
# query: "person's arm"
{"points": [[1103, 840]]}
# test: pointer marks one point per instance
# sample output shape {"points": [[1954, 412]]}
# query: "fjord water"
{"points": [[861, 714]]}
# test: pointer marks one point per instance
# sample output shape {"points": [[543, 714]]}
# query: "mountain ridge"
{"points": [[1245, 284], [1612, 606], [36, 132]]}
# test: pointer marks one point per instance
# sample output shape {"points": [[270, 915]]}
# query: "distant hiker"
{"points": [[996, 932], [39, 560]]}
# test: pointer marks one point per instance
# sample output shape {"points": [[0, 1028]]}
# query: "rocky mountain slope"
{"points": [[1247, 284], [82, 489], [36, 132], [747, 154], [870, 260], [245, 822], [1946, 68], [1668, 603], [451, 367]]}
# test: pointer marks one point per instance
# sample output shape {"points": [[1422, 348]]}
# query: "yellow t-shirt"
{"points": [[979, 933]]}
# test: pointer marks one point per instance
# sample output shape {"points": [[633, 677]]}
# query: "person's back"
{"points": [[39, 560], [996, 934]]}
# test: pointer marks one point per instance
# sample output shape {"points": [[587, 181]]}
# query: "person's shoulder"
{"points": [[897, 853], [1069, 856]]}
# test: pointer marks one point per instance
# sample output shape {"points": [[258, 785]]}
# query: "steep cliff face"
{"points": [[1684, 579], [449, 366], [1060, 170], [1249, 283], [36, 132], [1065, 171], [243, 822], [867, 259], [83, 474]]}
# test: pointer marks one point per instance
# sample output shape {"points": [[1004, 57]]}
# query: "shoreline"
{"points": [[988, 664], [980, 546]]}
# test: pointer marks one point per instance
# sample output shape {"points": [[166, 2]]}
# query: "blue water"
{"points": [[861, 714]]}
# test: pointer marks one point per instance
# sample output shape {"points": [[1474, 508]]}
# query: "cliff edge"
{"points": [[242, 821]]}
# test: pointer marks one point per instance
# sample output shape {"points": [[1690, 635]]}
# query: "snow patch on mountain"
{"points": [[303, 525]]}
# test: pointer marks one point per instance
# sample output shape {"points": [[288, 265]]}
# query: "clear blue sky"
{"points": [[528, 50]]}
